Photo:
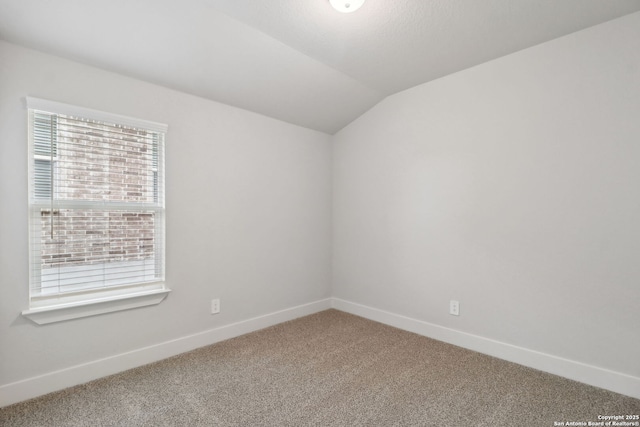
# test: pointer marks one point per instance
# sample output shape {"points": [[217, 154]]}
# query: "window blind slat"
{"points": [[37, 104]]}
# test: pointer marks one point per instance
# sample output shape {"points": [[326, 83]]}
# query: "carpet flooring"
{"points": [[327, 369]]}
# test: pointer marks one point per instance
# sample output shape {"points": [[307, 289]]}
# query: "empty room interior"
{"points": [[287, 212]]}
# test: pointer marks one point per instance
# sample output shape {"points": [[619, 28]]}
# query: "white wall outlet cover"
{"points": [[454, 308], [215, 306]]}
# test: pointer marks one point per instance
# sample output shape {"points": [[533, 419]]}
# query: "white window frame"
{"points": [[59, 307]]}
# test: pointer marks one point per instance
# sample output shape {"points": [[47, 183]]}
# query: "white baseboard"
{"points": [[577, 371], [80, 374]]}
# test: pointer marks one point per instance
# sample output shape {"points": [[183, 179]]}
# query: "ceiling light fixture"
{"points": [[346, 6]]}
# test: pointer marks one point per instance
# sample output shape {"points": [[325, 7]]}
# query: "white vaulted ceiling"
{"points": [[295, 60]]}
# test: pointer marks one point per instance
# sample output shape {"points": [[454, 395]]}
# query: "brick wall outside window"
{"points": [[89, 167]]}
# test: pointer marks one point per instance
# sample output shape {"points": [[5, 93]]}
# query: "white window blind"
{"points": [[96, 202]]}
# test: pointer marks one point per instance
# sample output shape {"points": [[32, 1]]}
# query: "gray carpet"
{"points": [[328, 369]]}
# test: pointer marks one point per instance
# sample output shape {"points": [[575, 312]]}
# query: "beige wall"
{"points": [[248, 216], [511, 187]]}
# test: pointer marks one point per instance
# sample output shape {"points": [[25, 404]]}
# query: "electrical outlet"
{"points": [[215, 306], [454, 308]]}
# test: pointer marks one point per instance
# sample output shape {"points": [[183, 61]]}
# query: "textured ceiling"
{"points": [[296, 60]]}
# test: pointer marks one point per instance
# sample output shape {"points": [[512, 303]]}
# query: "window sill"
{"points": [[58, 312]]}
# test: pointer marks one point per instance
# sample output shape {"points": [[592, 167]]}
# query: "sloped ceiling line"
{"points": [[298, 61]]}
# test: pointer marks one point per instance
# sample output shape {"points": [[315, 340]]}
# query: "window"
{"points": [[96, 211]]}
